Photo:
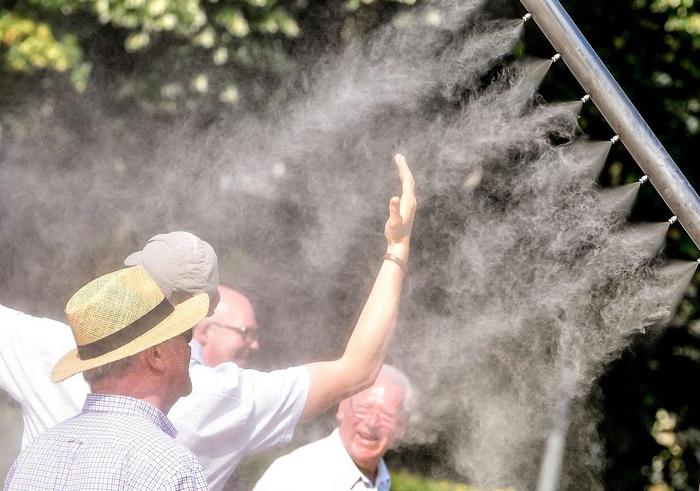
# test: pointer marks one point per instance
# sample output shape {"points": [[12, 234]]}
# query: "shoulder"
{"points": [[306, 456], [17, 318], [138, 437], [244, 410], [19, 327], [303, 468], [147, 440], [153, 455], [172, 469], [229, 384], [229, 378]]}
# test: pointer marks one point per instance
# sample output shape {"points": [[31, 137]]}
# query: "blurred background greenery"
{"points": [[225, 56]]}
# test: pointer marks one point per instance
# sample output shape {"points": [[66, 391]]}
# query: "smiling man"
{"points": [[351, 457]]}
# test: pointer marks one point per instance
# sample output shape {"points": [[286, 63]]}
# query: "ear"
{"points": [[400, 431], [200, 333], [341, 412], [154, 358]]}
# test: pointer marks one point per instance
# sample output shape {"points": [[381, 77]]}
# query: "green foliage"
{"points": [[227, 34], [668, 469], [30, 45], [681, 15], [197, 51], [356, 4]]}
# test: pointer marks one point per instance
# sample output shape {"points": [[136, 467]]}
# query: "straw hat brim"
{"points": [[185, 316]]}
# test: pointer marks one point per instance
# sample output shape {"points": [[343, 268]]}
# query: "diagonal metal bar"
{"points": [[620, 113]]}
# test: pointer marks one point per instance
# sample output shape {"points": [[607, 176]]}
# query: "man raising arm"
{"points": [[233, 413], [332, 381]]}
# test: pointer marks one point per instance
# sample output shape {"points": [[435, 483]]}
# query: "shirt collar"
{"points": [[110, 403], [196, 356], [353, 475], [383, 481]]}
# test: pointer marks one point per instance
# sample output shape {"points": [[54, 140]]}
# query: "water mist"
{"points": [[521, 269]]}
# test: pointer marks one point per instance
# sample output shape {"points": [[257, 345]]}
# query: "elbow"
{"points": [[371, 377], [363, 377]]}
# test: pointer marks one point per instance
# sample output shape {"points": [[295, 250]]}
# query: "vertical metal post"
{"points": [[617, 109], [550, 469]]}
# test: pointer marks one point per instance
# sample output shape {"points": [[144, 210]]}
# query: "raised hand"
{"points": [[401, 212]]}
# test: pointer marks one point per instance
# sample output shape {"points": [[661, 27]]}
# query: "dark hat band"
{"points": [[128, 333]]}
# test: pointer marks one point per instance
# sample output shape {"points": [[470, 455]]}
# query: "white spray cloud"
{"points": [[521, 270]]}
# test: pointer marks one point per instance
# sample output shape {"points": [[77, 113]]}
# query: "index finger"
{"points": [[407, 183]]}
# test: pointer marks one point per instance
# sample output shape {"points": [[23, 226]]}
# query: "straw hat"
{"points": [[121, 314]]}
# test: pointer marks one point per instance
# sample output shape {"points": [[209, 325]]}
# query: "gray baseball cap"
{"points": [[182, 264]]}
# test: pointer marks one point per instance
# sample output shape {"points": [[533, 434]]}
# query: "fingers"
{"points": [[395, 210], [405, 175], [401, 210], [408, 198]]}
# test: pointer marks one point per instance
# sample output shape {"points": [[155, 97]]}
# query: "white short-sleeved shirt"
{"points": [[323, 465], [231, 413]]}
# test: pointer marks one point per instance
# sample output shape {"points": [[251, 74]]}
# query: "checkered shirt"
{"points": [[115, 443]]}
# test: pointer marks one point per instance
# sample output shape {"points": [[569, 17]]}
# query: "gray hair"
{"points": [[114, 369], [401, 380]]}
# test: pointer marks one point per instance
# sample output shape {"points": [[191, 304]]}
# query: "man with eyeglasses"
{"points": [[351, 457], [230, 334]]}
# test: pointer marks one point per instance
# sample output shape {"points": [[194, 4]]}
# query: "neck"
{"points": [[369, 471], [132, 388]]}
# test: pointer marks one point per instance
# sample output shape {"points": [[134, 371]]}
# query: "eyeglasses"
{"points": [[250, 334], [365, 411]]}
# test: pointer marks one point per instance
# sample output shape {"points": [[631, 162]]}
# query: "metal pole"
{"points": [[617, 109], [550, 469]]}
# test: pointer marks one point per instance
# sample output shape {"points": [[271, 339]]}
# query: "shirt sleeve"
{"points": [[279, 398], [190, 478], [234, 412], [29, 346], [29, 349], [242, 409], [10, 476]]}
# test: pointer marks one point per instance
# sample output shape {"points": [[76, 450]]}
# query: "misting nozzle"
{"points": [[586, 98], [527, 17], [615, 139], [643, 179], [556, 58], [673, 219]]}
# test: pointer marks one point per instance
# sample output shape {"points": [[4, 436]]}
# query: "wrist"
{"points": [[396, 260], [400, 250]]}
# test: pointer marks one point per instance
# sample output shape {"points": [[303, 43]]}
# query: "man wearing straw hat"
{"points": [[132, 348], [232, 412]]}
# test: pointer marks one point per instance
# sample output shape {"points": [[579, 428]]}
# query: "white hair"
{"points": [[401, 380], [116, 368]]}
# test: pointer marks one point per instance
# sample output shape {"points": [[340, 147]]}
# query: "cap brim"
{"points": [[133, 259], [185, 316]]}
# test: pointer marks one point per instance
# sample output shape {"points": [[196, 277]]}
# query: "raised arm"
{"points": [[332, 381]]}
